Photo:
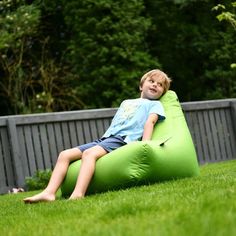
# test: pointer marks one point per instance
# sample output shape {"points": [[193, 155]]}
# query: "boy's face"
{"points": [[152, 88]]}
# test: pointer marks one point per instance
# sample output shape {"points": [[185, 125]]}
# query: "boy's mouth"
{"points": [[153, 90]]}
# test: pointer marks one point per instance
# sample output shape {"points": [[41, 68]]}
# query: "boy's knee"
{"points": [[90, 155], [64, 155], [93, 153], [87, 154]]}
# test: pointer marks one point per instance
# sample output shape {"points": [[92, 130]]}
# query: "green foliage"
{"points": [[108, 49], [18, 24], [39, 180], [17, 21], [32, 79], [230, 17], [193, 47], [57, 55], [220, 82], [226, 15]]}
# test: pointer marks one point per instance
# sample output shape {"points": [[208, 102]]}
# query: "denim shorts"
{"points": [[109, 144]]}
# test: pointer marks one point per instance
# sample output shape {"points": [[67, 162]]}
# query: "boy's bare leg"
{"points": [[88, 162], [58, 175]]}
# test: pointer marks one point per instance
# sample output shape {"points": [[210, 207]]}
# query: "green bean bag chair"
{"points": [[169, 155]]}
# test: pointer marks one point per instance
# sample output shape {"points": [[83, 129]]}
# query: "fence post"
{"points": [[233, 115], [15, 149]]}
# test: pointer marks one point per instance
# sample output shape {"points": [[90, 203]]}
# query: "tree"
{"points": [[34, 77], [227, 16], [18, 23], [57, 55], [223, 55], [108, 49], [192, 47]]}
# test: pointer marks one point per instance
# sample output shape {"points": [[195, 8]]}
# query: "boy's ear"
{"points": [[140, 88]]}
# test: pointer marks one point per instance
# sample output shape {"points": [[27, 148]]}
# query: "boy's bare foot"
{"points": [[41, 197], [73, 197]]}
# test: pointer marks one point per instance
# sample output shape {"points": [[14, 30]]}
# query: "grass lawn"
{"points": [[204, 205]]}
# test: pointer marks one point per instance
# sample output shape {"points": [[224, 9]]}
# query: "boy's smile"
{"points": [[153, 90]]}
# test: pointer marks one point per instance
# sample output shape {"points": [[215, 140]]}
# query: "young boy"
{"points": [[134, 120]]}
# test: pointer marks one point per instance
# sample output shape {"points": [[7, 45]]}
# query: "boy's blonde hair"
{"points": [[157, 73]]}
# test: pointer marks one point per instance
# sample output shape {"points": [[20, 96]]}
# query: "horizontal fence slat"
{"points": [[61, 116], [206, 105]]}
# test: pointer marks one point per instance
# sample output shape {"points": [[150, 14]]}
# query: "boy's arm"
{"points": [[149, 125]]}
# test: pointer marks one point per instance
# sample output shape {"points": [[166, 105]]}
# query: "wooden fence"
{"points": [[32, 142]]}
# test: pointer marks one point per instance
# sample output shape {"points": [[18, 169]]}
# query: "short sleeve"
{"points": [[157, 108]]}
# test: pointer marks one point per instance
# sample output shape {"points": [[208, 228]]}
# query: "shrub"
{"points": [[39, 180]]}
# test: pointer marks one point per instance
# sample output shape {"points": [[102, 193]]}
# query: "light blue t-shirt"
{"points": [[131, 117]]}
